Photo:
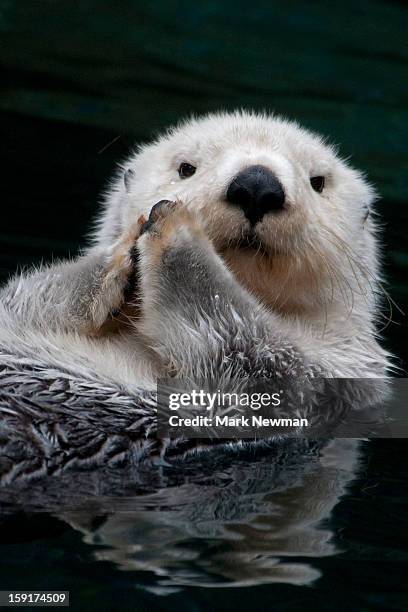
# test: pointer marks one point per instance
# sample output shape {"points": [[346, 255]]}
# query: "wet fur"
{"points": [[188, 294]]}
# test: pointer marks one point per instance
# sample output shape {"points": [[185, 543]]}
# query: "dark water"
{"points": [[81, 83], [282, 530]]}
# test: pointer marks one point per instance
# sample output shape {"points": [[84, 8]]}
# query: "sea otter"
{"points": [[234, 245]]}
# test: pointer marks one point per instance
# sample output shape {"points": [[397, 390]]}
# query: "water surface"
{"points": [[286, 527]]}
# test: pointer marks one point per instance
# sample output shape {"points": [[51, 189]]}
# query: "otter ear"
{"points": [[127, 178]]}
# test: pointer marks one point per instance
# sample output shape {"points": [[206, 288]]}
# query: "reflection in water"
{"points": [[232, 514], [243, 522]]}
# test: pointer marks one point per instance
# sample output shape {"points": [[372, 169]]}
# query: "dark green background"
{"points": [[83, 80]]}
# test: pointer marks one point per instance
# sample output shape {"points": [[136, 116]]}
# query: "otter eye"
{"points": [[317, 183], [185, 170]]}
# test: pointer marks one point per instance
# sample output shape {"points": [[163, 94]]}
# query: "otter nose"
{"points": [[257, 192]]}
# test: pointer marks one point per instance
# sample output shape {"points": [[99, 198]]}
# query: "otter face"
{"points": [[288, 216]]}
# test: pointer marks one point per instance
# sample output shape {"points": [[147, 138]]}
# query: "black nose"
{"points": [[257, 191]]}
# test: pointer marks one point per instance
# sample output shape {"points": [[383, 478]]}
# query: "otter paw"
{"points": [[158, 213], [121, 257], [167, 218]]}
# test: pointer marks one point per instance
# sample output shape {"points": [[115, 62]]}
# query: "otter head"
{"points": [[288, 216]]}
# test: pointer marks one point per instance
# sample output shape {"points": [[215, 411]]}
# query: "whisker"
{"points": [[375, 284]]}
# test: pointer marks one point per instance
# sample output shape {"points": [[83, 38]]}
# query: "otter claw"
{"points": [[155, 213]]}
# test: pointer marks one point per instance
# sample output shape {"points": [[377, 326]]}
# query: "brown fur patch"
{"points": [[121, 261], [113, 285], [168, 221], [281, 282], [118, 321]]}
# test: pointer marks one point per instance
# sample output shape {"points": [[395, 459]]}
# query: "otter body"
{"points": [[259, 259]]}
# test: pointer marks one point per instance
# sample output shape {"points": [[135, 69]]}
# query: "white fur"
{"points": [[322, 281], [325, 277]]}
